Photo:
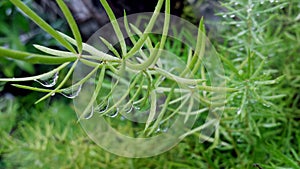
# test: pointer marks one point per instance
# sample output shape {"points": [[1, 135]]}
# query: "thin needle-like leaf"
{"points": [[90, 49], [71, 23], [34, 77], [41, 23], [61, 84], [96, 92], [148, 29], [34, 58], [110, 47], [115, 25], [152, 109]]}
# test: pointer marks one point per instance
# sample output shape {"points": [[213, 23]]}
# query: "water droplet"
{"points": [[241, 49], [130, 109], [48, 81], [241, 72], [89, 115], [165, 130], [266, 105], [192, 86], [271, 1], [157, 130], [101, 108], [122, 118], [114, 114], [236, 3], [8, 11], [224, 16], [258, 14], [71, 92], [232, 16], [238, 25], [53, 94]]}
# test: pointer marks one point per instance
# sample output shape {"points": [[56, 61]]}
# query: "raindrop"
{"points": [[48, 81], [271, 1], [71, 92], [136, 107], [224, 16], [122, 118], [266, 105], [114, 114], [238, 25], [258, 14], [8, 11], [101, 108], [239, 112], [262, 2], [241, 49], [241, 72], [236, 3], [232, 16], [192, 86], [89, 115], [158, 130], [165, 130], [53, 94], [130, 109]]}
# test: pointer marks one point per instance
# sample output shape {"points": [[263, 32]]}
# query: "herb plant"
{"points": [[259, 125]]}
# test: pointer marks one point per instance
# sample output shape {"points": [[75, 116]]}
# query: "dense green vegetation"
{"points": [[259, 45]]}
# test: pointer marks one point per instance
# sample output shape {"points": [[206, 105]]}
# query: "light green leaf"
{"points": [[72, 23]]}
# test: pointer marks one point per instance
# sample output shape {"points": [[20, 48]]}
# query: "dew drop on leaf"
{"points": [[48, 81], [130, 109], [114, 113], [90, 114], [71, 92], [101, 108]]}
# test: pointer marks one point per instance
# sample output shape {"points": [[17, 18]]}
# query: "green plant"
{"points": [[260, 121], [148, 70]]}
